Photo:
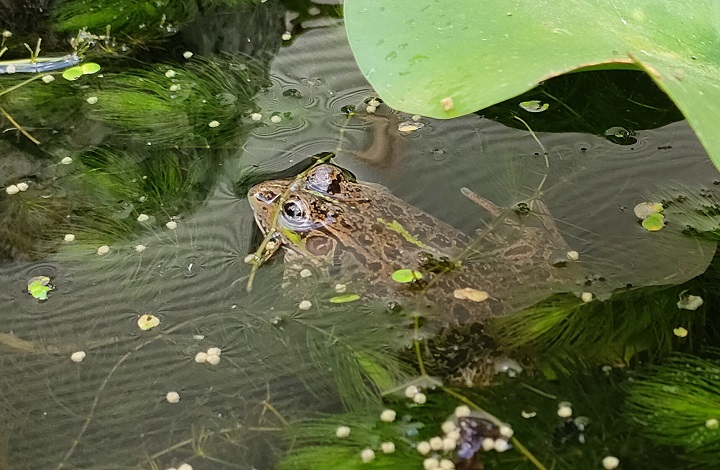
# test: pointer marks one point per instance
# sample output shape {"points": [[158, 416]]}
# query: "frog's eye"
{"points": [[293, 210]]}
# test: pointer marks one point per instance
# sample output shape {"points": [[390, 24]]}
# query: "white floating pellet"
{"points": [[342, 431], [77, 356], [69, 237], [610, 462], [387, 447], [201, 357], [172, 397], [367, 455], [103, 250], [388, 416]]}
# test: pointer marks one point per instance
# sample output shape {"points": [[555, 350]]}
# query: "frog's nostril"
{"points": [[265, 196]]}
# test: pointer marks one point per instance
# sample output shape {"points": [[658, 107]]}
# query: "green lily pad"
{"points": [[406, 275], [654, 222], [341, 299], [73, 73], [88, 68], [448, 59], [39, 287]]}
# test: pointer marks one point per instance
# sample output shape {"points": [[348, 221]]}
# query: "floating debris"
{"points": [[148, 322], [436, 443], [286, 36], [586, 297], [471, 294], [69, 237], [48, 79], [213, 360], [305, 273], [92, 100], [712, 423], [172, 225], [12, 189], [256, 116], [431, 463], [680, 332], [573, 255], [103, 250], [187, 54], [420, 398], [22, 186], [646, 209], [170, 73], [185, 466], [39, 286], [447, 103], [340, 288], [201, 357], [172, 397], [143, 218], [140, 248], [342, 299], [409, 126], [305, 305], [275, 118], [213, 124], [77, 356], [66, 161], [690, 302]]}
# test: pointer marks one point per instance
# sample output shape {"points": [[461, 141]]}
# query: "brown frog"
{"points": [[361, 233]]}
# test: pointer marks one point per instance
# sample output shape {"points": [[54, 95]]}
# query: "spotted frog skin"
{"points": [[360, 233]]}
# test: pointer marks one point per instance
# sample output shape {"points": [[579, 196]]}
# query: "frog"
{"points": [[360, 233]]}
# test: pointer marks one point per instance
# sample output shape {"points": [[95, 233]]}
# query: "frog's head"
{"points": [[302, 210]]}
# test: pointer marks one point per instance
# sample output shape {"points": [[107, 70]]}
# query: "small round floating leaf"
{"points": [[406, 275], [39, 287], [89, 68], [534, 106], [341, 299], [654, 222], [148, 322], [73, 73]]}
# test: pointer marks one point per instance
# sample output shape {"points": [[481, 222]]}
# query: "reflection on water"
{"points": [[156, 169]]}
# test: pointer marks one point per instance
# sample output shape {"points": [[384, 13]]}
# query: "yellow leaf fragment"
{"points": [[471, 294]]}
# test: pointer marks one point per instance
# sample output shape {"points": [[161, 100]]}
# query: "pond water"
{"points": [[150, 351]]}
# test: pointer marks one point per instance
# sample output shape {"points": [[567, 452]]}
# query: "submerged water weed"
{"points": [[563, 327], [677, 403], [141, 21], [200, 104]]}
